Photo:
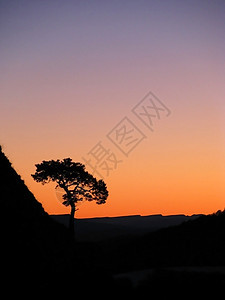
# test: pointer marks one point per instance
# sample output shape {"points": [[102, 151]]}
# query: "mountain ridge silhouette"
{"points": [[100, 228]]}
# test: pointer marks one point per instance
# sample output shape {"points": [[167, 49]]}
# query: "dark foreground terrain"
{"points": [[39, 257]]}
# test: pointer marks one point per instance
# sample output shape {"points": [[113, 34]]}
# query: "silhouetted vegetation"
{"points": [[75, 181], [39, 255]]}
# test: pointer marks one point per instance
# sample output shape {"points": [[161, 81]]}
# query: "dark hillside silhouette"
{"points": [[99, 229], [199, 242], [32, 243], [16, 199]]}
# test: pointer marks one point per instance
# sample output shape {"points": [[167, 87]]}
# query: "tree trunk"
{"points": [[71, 223]]}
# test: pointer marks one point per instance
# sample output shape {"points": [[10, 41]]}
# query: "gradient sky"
{"points": [[70, 71]]}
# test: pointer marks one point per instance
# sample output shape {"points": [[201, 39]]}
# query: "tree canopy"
{"points": [[78, 184]]}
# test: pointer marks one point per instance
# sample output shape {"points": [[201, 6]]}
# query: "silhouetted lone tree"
{"points": [[77, 183]]}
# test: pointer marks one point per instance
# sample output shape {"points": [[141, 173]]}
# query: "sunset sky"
{"points": [[71, 74]]}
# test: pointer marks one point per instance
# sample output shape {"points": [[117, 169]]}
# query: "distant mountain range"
{"points": [[96, 229]]}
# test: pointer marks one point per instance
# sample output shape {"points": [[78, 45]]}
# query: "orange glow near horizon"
{"points": [[160, 177], [70, 73]]}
